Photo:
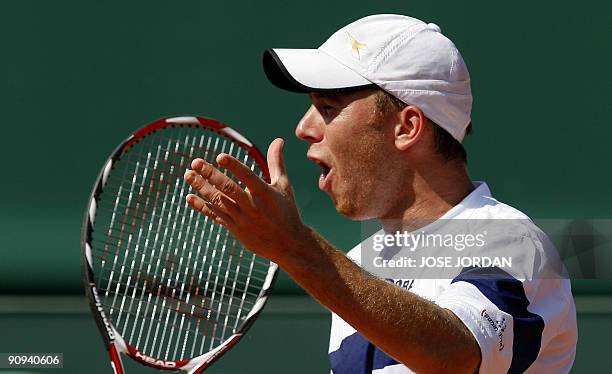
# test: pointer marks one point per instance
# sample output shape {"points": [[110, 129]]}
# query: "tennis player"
{"points": [[391, 104]]}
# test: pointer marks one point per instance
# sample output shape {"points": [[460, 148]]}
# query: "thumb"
{"points": [[276, 162]]}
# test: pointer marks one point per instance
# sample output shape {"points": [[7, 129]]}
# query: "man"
{"points": [[391, 102]]}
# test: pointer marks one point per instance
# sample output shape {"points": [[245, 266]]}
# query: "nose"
{"points": [[311, 126]]}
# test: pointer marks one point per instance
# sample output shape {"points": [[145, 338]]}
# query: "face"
{"points": [[354, 146]]}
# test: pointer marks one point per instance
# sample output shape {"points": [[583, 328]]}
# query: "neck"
{"points": [[431, 196]]}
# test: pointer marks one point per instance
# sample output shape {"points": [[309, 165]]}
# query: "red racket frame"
{"points": [[112, 340]]}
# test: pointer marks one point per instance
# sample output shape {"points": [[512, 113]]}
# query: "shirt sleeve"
{"points": [[512, 320]]}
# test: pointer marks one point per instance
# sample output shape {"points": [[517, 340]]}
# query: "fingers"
{"points": [[214, 177], [200, 205], [276, 162], [242, 172], [217, 200]]}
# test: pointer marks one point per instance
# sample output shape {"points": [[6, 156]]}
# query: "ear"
{"points": [[409, 128]]}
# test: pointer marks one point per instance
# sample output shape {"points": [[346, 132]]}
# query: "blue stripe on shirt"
{"points": [[508, 294], [356, 355]]}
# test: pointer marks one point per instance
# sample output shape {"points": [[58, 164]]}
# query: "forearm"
{"points": [[413, 330]]}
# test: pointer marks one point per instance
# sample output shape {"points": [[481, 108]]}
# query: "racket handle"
{"points": [[116, 362]]}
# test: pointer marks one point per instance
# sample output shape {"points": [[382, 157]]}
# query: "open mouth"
{"points": [[327, 171], [324, 177], [324, 169]]}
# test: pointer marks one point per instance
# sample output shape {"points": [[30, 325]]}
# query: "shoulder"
{"points": [[512, 231], [490, 207]]}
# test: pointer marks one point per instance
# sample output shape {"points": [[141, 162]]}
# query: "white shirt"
{"points": [[522, 323]]}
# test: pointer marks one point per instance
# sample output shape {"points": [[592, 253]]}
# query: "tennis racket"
{"points": [[168, 286]]}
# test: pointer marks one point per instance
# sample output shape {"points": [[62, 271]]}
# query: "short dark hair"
{"points": [[446, 145]]}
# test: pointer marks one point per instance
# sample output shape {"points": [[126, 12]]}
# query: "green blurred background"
{"points": [[78, 76]]}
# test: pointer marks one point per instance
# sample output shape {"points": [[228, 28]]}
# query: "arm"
{"points": [[414, 331]]}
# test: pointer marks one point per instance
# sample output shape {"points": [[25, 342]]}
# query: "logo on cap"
{"points": [[356, 46]]}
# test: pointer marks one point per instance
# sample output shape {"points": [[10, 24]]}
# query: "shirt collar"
{"points": [[470, 203]]}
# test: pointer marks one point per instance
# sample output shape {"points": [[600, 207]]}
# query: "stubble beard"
{"points": [[364, 188]]}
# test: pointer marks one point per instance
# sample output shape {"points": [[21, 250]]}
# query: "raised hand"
{"points": [[264, 217]]}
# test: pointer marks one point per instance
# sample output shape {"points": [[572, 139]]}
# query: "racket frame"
{"points": [[113, 341]]}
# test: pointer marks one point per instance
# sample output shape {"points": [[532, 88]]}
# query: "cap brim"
{"points": [[310, 70]]}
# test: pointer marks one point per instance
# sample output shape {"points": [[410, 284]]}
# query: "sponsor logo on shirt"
{"points": [[498, 326], [402, 283]]}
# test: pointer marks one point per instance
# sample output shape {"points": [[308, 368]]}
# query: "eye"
{"points": [[327, 109]]}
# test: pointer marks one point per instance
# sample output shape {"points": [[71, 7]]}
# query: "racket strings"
{"points": [[158, 290], [238, 253], [132, 223], [181, 257], [164, 329], [154, 240], [172, 177], [189, 309], [109, 243], [150, 285], [165, 326]]}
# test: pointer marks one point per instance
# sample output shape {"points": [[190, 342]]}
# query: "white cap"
{"points": [[404, 56]]}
